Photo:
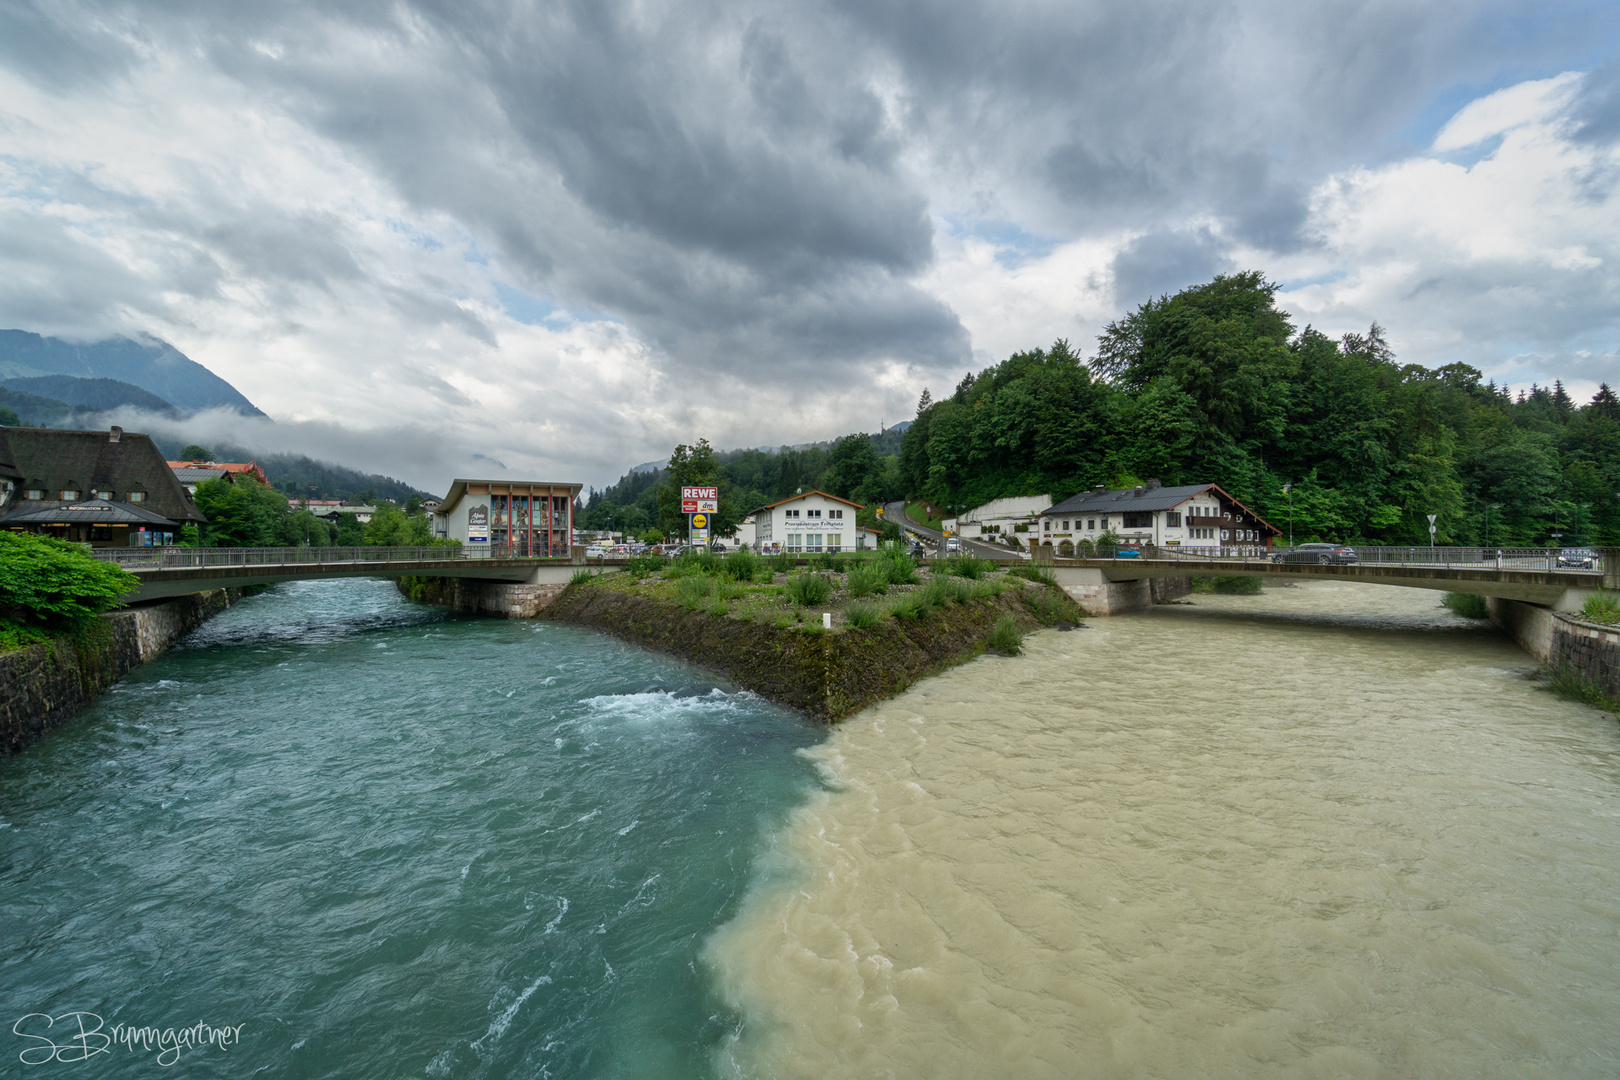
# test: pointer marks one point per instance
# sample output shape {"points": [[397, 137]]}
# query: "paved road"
{"points": [[896, 512]]}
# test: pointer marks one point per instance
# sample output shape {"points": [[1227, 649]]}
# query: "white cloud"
{"points": [[1513, 107]]}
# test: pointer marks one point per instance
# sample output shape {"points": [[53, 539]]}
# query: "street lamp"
{"points": [[1288, 490]]}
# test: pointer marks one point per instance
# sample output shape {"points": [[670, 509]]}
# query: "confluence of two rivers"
{"points": [[1328, 831]]}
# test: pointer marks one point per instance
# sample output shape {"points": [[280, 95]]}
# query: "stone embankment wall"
{"points": [[1562, 641], [1120, 597], [827, 676], [43, 685], [496, 598]]}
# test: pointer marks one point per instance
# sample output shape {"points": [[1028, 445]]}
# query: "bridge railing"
{"points": [[1478, 558], [181, 558]]}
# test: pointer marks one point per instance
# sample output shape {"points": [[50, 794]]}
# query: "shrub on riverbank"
{"points": [[49, 587], [1006, 638], [809, 589], [1230, 586], [1602, 607], [1571, 684], [1468, 605]]}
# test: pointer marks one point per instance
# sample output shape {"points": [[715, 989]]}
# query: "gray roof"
{"points": [[91, 461], [88, 512], [197, 476], [1126, 499]]}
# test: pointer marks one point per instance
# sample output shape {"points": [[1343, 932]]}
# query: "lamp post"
{"points": [[1488, 508], [1288, 490]]}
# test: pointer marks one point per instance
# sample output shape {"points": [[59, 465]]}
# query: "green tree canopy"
{"points": [[52, 584]]}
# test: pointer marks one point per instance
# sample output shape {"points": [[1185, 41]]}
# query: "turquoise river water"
{"points": [[1327, 831]]}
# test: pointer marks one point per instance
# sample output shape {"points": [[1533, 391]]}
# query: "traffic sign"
{"points": [[700, 521]]}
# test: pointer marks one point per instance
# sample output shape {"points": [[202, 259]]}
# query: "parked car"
{"points": [[1321, 554], [1128, 553], [1581, 557], [952, 544]]}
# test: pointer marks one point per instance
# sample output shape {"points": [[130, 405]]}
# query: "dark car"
{"points": [[1581, 557], [1320, 554]]}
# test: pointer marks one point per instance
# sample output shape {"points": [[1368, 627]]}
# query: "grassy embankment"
{"points": [[918, 513], [761, 621]]}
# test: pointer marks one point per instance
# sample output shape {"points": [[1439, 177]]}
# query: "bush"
{"points": [[868, 580], [1049, 606], [1006, 638], [643, 565], [911, 606], [942, 590], [809, 589], [782, 563], [1231, 586], [582, 577], [741, 565], [1467, 605], [827, 561], [898, 567], [1041, 575], [864, 616], [970, 566], [693, 591], [984, 590], [53, 585], [1600, 607], [708, 560]]}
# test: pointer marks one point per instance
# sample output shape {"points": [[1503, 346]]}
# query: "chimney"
{"points": [[115, 434], [1152, 485], [1137, 494], [1100, 489]]}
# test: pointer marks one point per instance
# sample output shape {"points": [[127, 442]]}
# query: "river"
{"points": [[1325, 831]]}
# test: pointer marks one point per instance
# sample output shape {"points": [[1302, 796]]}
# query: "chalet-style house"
{"points": [[808, 523], [1187, 516], [103, 488]]}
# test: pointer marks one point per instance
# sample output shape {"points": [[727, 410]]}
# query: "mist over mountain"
{"points": [[149, 364]]}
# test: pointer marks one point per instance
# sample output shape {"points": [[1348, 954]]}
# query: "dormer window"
{"points": [[34, 493], [69, 495], [137, 496], [103, 493]]}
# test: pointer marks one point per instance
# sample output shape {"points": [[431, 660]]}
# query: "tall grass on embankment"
{"points": [[1468, 605]]}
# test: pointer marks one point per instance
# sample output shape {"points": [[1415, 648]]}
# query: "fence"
{"points": [[181, 558], [1562, 560]]}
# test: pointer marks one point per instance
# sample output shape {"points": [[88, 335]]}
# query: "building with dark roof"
{"points": [[105, 488], [1188, 515]]}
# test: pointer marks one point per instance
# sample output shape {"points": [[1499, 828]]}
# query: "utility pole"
{"points": [[1288, 490]]}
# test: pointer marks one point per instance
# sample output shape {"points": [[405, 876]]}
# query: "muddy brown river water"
{"points": [[1328, 831]]}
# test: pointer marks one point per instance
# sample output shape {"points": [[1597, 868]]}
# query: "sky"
{"points": [[552, 240]]}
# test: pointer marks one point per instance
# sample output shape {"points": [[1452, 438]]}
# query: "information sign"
{"points": [[700, 500], [478, 525]]}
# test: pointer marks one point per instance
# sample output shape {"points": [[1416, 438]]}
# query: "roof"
{"points": [[458, 488], [187, 475], [806, 495], [116, 460], [88, 512], [1151, 499], [249, 467]]}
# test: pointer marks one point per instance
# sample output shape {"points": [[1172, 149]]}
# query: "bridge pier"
{"points": [[1099, 594]]}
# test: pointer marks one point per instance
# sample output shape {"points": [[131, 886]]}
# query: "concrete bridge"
{"points": [[175, 571], [1106, 586]]}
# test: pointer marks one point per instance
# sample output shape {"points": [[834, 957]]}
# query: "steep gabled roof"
{"points": [[806, 495], [122, 461], [1126, 500]]}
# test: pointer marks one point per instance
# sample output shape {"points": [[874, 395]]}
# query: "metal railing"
{"points": [[1545, 560], [181, 558]]}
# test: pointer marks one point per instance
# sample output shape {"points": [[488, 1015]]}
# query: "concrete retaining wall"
{"points": [[46, 684], [500, 599], [1562, 642]]}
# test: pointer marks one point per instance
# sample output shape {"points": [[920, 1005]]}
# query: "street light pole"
{"points": [[1288, 490]]}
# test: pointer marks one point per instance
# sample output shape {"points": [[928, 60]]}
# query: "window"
{"points": [[1226, 534], [795, 542], [839, 514], [34, 493], [1138, 520], [1091, 523], [103, 493], [1065, 525], [790, 513], [69, 495], [137, 496], [812, 542], [812, 513], [1046, 523], [1172, 520]]}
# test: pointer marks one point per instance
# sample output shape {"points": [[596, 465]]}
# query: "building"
{"points": [[103, 488], [809, 523], [362, 514], [1187, 516], [1017, 517], [868, 539], [192, 475], [509, 517], [231, 469]]}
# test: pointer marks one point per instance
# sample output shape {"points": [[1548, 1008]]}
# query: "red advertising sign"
{"points": [[700, 493]]}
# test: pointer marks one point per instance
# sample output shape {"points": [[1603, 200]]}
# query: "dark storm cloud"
{"points": [[750, 186]]}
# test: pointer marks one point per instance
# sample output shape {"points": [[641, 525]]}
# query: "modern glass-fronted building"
{"points": [[514, 518]]}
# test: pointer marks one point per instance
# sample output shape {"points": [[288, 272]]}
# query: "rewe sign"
{"points": [[700, 500]]}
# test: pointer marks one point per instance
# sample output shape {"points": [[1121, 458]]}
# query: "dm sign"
{"points": [[478, 524]]}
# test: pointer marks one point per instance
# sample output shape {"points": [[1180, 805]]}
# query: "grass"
{"points": [[693, 591], [1468, 605], [1567, 683], [15, 635], [782, 563], [1041, 575], [868, 580], [1047, 605], [582, 577], [1006, 638], [1602, 607], [741, 565], [968, 566], [1231, 586], [865, 616], [898, 567], [916, 513], [809, 589]]}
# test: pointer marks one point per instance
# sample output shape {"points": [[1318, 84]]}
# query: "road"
{"points": [[896, 512]]}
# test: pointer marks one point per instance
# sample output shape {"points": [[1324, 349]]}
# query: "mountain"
{"points": [[300, 477], [32, 409], [90, 393], [152, 365]]}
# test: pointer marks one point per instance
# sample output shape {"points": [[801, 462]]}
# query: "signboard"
{"points": [[478, 525], [700, 535], [700, 500], [700, 521]]}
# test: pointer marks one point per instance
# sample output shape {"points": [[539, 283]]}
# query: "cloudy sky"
{"points": [[566, 236]]}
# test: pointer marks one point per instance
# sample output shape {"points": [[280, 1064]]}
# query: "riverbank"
{"points": [[760, 637], [46, 684]]}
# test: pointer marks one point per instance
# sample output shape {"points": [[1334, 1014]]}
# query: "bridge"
{"points": [[1108, 583], [165, 572]]}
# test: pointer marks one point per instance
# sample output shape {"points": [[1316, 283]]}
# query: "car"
{"points": [[1128, 553], [1320, 554], [953, 544], [1581, 557]]}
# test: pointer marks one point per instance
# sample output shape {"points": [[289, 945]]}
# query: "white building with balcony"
{"points": [[1198, 516]]}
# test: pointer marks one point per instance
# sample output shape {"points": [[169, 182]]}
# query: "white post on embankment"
{"points": [[826, 620]]}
